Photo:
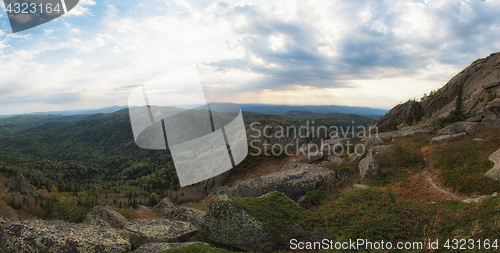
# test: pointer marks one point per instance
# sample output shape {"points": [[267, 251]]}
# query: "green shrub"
{"points": [[197, 247], [316, 197]]}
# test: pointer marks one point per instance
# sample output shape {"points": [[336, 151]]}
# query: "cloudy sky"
{"points": [[346, 52]]}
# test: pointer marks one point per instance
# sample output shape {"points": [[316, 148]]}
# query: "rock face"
{"points": [[164, 203], [194, 216], [481, 83], [335, 160], [368, 166], [8, 214], [236, 228], [294, 180], [494, 173], [102, 216], [59, 236], [157, 247], [158, 230], [20, 184]]}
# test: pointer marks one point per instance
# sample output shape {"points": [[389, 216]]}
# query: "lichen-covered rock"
{"points": [[361, 186], [161, 246], [476, 200], [159, 230], [230, 226], [335, 160], [58, 236], [447, 137], [194, 216], [294, 180], [458, 127], [494, 173], [368, 166], [164, 203], [115, 219]]}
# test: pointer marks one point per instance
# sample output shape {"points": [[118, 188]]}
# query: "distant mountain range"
{"points": [[373, 113]]}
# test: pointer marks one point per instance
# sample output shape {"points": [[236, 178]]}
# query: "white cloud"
{"points": [[80, 9], [116, 50], [75, 30]]}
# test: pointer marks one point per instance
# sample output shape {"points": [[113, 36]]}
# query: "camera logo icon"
{"points": [[204, 139], [26, 14]]}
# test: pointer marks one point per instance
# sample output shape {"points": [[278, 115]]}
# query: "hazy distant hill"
{"points": [[373, 113], [73, 112]]}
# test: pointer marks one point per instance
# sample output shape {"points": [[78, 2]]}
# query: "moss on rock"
{"points": [[59, 236], [159, 230]]}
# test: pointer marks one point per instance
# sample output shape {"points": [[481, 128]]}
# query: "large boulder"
{"points": [[368, 166], [159, 230], [446, 137], [458, 127], [58, 236], [101, 215], [194, 216], [233, 227], [161, 246], [494, 173], [164, 203], [335, 160], [294, 180]]}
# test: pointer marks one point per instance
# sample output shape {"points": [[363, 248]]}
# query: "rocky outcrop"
{"points": [[164, 203], [233, 227], [335, 160], [441, 138], [494, 173], [57, 236], [481, 85], [459, 127], [159, 230], [294, 180], [212, 185], [102, 216], [159, 247], [8, 214], [194, 216], [20, 184], [368, 166]]}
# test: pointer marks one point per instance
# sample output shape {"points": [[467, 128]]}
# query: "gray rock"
{"points": [[344, 177], [9, 214], [233, 227], [159, 230], [62, 237], [294, 180], [494, 173], [447, 137], [477, 118], [371, 142], [476, 200], [361, 186], [335, 160], [161, 246], [458, 127], [313, 157], [302, 201], [100, 213], [164, 203], [194, 216], [494, 105], [368, 166], [20, 184], [478, 139], [213, 184], [491, 122]]}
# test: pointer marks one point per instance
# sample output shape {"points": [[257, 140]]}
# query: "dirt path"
{"points": [[428, 179]]}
